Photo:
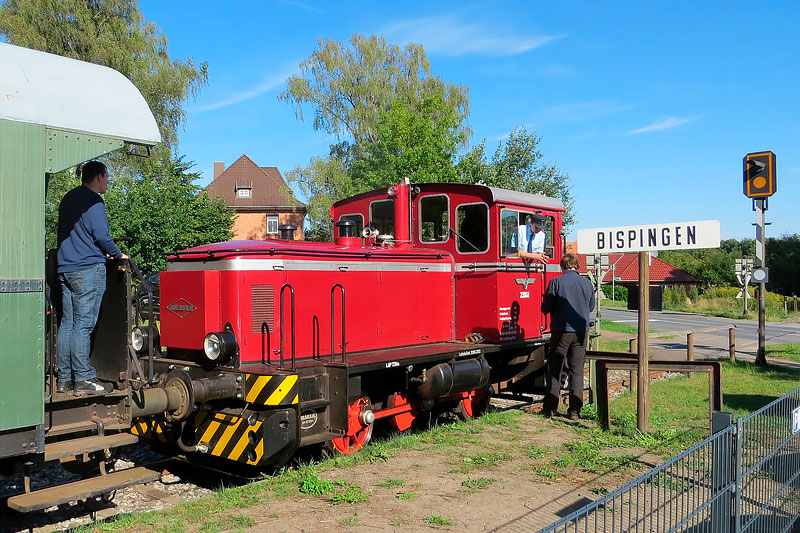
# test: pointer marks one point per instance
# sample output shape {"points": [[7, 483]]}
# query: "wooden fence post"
{"points": [[732, 342], [690, 346]]}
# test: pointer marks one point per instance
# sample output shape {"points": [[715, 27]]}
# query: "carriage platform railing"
{"points": [[745, 477]]}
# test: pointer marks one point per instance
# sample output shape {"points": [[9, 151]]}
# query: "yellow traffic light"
{"points": [[759, 175]]}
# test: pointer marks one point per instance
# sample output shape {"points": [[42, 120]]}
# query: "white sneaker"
{"points": [[91, 387]]}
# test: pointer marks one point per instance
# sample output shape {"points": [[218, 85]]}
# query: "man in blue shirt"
{"points": [[531, 238], [84, 242], [569, 299]]}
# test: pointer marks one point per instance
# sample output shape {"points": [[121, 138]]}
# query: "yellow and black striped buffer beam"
{"points": [[152, 428], [271, 390], [230, 437]]}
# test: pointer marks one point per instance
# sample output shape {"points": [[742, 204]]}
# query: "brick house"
{"points": [[260, 198]]}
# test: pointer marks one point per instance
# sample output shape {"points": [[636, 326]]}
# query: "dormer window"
{"points": [[244, 192]]}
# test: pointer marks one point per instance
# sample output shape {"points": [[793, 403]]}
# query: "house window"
{"points": [[272, 223], [244, 193], [472, 225], [434, 219]]}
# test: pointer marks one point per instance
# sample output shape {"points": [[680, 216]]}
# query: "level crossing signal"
{"points": [[760, 180]]}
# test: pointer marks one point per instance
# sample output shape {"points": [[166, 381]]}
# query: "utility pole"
{"points": [[761, 248], [643, 366]]}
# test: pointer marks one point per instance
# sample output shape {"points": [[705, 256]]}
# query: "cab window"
{"points": [[358, 218], [381, 216], [434, 218], [472, 225], [510, 221]]}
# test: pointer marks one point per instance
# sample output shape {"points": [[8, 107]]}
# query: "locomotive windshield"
{"points": [[381, 216], [434, 218], [473, 228]]}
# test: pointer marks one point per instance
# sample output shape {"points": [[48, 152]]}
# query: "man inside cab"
{"points": [[531, 238]]}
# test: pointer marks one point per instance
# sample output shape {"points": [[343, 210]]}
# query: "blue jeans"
{"points": [[81, 296]]}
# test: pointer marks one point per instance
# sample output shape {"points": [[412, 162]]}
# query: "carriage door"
{"points": [[521, 284]]}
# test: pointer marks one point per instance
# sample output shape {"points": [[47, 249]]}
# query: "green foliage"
{"points": [[314, 486], [674, 298], [392, 483], [437, 520], [417, 140], [482, 460], [161, 211], [406, 495], [518, 165], [620, 293], [351, 494], [392, 119], [790, 352], [783, 256], [115, 34], [535, 452], [471, 486], [349, 521]]}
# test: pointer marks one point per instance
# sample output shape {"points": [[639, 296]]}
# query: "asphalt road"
{"points": [[672, 321]]}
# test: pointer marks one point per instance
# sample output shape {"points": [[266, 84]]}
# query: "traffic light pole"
{"points": [[760, 208]]}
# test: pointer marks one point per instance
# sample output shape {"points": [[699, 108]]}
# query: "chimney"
{"points": [[219, 168]]}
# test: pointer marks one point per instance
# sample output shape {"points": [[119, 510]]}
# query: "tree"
{"points": [[417, 140], [783, 255], [115, 34], [517, 165], [714, 265], [162, 211], [358, 91]]}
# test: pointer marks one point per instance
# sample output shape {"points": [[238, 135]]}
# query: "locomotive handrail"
{"points": [[135, 268], [333, 336], [265, 334], [507, 267], [283, 324], [300, 251]]}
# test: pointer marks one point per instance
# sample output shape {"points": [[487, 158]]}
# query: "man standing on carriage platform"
{"points": [[84, 242], [569, 299]]}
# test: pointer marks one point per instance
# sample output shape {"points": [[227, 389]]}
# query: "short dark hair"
{"points": [[569, 262], [91, 170]]}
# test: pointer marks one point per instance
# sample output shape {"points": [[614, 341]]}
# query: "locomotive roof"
{"points": [[497, 194], [282, 248], [41, 88]]}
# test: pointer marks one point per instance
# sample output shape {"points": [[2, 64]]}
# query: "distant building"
{"points": [[260, 198], [626, 270]]}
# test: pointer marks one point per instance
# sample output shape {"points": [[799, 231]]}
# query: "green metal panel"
{"points": [[66, 149], [22, 170]]}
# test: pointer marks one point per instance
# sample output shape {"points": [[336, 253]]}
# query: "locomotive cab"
{"points": [[497, 294]]}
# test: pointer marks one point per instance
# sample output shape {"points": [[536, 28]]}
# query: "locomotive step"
{"points": [[73, 447], [79, 490]]}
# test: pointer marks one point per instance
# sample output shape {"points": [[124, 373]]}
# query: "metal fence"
{"points": [[745, 478]]}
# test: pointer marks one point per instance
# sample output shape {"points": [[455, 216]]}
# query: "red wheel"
{"points": [[402, 421], [359, 432], [473, 403]]}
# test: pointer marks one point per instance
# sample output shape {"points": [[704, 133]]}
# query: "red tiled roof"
{"points": [[627, 269], [266, 184]]}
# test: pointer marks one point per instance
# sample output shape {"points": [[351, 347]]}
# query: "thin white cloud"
{"points": [[301, 5], [663, 124], [576, 112], [447, 35], [265, 86]]}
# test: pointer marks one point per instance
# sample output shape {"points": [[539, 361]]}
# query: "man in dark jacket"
{"points": [[569, 300], [84, 242]]}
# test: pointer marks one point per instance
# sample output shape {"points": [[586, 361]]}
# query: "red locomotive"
{"points": [[422, 296]]}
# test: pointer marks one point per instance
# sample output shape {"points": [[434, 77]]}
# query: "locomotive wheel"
{"points": [[402, 421], [473, 404], [358, 433]]}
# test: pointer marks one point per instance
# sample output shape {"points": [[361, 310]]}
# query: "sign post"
{"points": [[643, 377], [643, 239]]}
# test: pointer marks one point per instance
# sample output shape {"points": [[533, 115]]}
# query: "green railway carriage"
{"points": [[55, 113]]}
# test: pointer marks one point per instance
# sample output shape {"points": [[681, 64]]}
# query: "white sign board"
{"points": [[796, 420], [671, 236]]}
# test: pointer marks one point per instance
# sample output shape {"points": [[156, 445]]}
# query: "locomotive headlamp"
{"points": [[141, 335], [219, 347]]}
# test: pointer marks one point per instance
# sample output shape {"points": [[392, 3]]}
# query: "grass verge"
{"points": [[789, 352]]}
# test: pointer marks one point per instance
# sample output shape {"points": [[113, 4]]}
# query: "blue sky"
{"points": [[649, 106]]}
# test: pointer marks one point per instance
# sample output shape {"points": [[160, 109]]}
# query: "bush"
{"points": [[675, 298], [616, 292]]}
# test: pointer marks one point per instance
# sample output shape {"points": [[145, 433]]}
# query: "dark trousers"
{"points": [[567, 357]]}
